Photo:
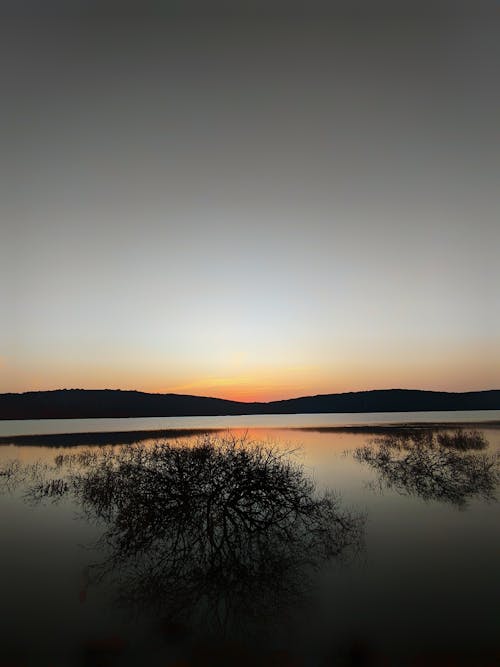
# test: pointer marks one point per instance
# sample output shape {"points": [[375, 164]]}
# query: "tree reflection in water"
{"points": [[434, 465], [219, 532]]}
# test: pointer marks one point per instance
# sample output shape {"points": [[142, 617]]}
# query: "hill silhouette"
{"points": [[86, 403]]}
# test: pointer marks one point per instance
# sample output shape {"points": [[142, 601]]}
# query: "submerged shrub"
{"points": [[462, 440], [223, 520], [434, 465]]}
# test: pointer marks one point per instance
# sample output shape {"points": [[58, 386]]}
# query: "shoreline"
{"points": [[129, 437]]}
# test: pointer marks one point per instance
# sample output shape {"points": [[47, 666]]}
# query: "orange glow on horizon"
{"points": [[453, 369], [258, 394]]}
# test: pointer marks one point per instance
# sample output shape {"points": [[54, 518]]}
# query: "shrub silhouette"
{"points": [[433, 465], [462, 440], [224, 527]]}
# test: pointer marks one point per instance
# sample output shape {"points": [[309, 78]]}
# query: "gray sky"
{"points": [[255, 205]]}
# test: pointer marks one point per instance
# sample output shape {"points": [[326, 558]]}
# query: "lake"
{"points": [[103, 565]]}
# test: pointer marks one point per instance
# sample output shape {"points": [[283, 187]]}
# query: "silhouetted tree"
{"points": [[223, 528], [433, 465]]}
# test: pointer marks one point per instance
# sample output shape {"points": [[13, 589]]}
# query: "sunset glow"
{"points": [[459, 369], [252, 211], [249, 333]]}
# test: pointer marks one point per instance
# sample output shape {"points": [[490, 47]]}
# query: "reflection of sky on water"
{"points": [[414, 576], [40, 426]]}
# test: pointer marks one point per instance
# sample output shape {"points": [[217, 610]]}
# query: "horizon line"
{"points": [[250, 402]]}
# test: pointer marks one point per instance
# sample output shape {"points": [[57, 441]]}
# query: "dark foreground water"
{"points": [[409, 576]]}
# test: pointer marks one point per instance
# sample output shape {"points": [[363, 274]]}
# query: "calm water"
{"points": [[41, 426], [421, 587]]}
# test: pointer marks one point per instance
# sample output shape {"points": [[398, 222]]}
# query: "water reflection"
{"points": [[434, 465], [216, 534]]}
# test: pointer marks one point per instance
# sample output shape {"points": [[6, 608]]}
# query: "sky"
{"points": [[251, 201]]}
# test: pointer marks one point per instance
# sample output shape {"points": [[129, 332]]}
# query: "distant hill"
{"points": [[84, 403], [390, 400]]}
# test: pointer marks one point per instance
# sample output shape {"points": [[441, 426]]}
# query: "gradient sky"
{"points": [[259, 204]]}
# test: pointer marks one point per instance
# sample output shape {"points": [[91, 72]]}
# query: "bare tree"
{"points": [[434, 465], [222, 527]]}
